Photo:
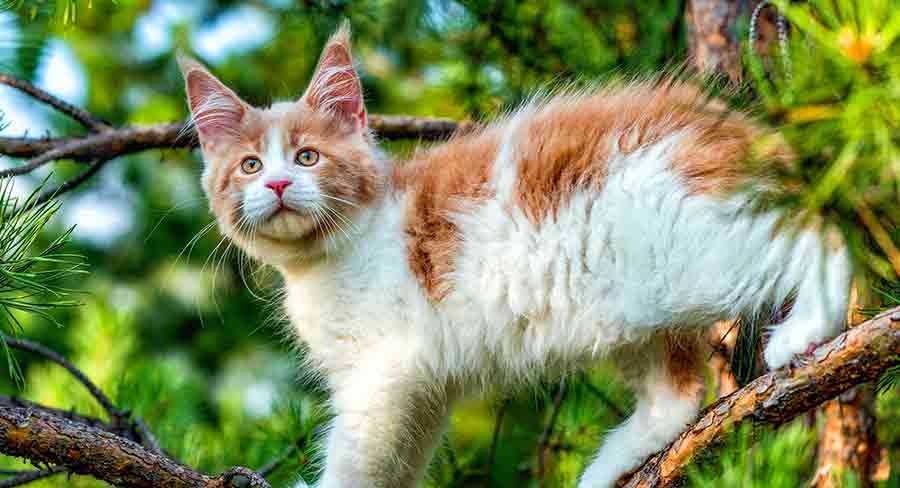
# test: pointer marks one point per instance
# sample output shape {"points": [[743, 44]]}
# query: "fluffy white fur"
{"points": [[528, 301]]}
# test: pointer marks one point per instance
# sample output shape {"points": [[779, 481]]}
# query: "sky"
{"points": [[106, 214]]}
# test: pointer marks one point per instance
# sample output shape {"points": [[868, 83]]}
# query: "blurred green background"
{"points": [[180, 329]]}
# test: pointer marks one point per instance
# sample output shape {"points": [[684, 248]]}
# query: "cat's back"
{"points": [[527, 189]]}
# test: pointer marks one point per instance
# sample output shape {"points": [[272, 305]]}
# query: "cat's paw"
{"points": [[785, 348], [789, 346]]}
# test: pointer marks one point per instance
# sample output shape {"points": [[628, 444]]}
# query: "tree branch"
{"points": [[45, 438], [547, 434], [25, 477], [35, 348], [129, 140], [105, 142], [87, 119], [123, 431], [857, 356], [712, 42]]}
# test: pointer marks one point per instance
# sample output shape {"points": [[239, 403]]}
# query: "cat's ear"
{"points": [[335, 87], [216, 111]]}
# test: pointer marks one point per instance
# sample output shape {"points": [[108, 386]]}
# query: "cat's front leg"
{"points": [[388, 421]]}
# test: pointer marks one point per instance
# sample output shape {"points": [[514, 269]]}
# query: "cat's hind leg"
{"points": [[666, 376], [822, 276]]}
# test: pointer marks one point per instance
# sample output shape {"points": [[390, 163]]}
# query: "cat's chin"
{"points": [[280, 250], [283, 237], [288, 226]]}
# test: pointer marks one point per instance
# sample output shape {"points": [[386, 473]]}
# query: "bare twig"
{"points": [[135, 430], [35, 348], [547, 434], [105, 142], [149, 440], [25, 477], [60, 152], [857, 356], [618, 411], [495, 440], [279, 460], [66, 186], [88, 120]]}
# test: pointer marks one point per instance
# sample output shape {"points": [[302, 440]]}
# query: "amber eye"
{"points": [[251, 165], [307, 157]]}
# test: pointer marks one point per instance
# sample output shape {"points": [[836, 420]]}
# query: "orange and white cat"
{"points": [[612, 222]]}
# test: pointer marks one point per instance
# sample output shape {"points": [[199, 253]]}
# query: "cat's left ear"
{"points": [[335, 87]]}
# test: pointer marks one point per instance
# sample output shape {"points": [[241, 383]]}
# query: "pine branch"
{"points": [[123, 424], [857, 356], [275, 463]]}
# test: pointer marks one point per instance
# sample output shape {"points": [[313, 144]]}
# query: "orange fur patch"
{"points": [[683, 355], [352, 175], [566, 145], [440, 182]]}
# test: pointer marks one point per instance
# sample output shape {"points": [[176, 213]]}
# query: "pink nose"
{"points": [[278, 186]]}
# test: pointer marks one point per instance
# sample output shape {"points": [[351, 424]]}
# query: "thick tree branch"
{"points": [[124, 431], [108, 451], [45, 438], [858, 356]]}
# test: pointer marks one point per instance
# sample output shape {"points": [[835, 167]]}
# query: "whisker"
{"points": [[346, 202]]}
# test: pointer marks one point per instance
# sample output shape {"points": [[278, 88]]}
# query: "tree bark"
{"points": [[712, 38], [44, 438], [858, 356], [112, 143], [847, 441]]}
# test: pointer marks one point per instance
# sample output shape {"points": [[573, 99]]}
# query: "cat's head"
{"points": [[287, 181]]}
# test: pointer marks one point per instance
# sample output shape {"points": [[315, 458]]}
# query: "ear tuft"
{"points": [[335, 87], [216, 111]]}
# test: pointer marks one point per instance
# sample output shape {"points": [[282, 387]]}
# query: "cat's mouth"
{"points": [[282, 209]]}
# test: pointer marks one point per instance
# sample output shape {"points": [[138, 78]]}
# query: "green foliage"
{"points": [[31, 272], [889, 379], [774, 460], [177, 327], [839, 108]]}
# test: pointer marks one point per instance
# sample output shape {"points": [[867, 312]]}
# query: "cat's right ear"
{"points": [[216, 111]]}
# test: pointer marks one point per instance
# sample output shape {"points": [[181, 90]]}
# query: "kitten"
{"points": [[612, 222]]}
